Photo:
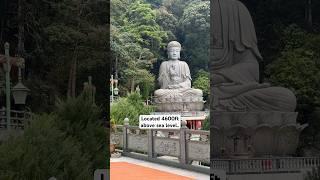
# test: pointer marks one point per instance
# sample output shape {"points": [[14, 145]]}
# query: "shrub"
{"points": [[69, 143], [206, 124], [131, 107], [41, 152]]}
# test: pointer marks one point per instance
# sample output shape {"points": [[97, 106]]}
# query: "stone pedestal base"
{"points": [[172, 106], [253, 134]]}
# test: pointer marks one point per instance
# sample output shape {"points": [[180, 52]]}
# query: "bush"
{"points": [[81, 120], [298, 66], [131, 107], [42, 152], [206, 124], [202, 81], [69, 143]]}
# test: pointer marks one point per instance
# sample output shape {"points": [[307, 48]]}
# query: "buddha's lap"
{"points": [[271, 98], [178, 92]]}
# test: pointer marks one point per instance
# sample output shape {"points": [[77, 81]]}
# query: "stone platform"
{"points": [[194, 118], [254, 134], [174, 105]]}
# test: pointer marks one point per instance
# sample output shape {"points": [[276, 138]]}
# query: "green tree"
{"points": [[136, 38], [297, 67], [140, 21], [64, 42], [69, 143], [168, 21], [206, 124], [43, 151], [202, 81], [81, 119], [129, 107], [195, 23], [175, 6]]}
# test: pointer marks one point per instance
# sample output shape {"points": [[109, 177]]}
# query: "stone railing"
{"points": [[182, 144], [265, 165], [254, 134], [194, 145], [19, 119]]}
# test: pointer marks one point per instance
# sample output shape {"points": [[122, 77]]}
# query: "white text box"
{"points": [[160, 121]]}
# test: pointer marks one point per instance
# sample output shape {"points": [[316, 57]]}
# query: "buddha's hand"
{"points": [[217, 79], [265, 85], [174, 86]]}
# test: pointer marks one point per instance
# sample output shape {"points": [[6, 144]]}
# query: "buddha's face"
{"points": [[174, 53]]}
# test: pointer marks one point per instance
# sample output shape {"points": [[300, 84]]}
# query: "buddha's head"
{"points": [[173, 50]]}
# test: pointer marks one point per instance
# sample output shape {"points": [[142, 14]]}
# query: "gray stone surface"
{"points": [[248, 118], [199, 151], [265, 165], [116, 138], [170, 147], [138, 142], [175, 93], [234, 67], [251, 134], [273, 176], [147, 144]]}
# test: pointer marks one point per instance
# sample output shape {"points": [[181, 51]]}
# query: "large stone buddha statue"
{"points": [[234, 64], [248, 118], [175, 93]]}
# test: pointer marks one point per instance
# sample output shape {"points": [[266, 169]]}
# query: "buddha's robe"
{"points": [[235, 58]]}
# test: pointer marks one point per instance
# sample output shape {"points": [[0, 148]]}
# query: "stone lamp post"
{"points": [[19, 91], [116, 91], [114, 88]]}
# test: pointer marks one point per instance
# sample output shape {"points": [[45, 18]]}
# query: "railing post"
{"points": [[278, 166], [125, 135], [150, 143], [183, 149]]}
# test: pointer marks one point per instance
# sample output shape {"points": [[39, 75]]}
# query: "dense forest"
{"points": [[140, 31], [62, 42]]}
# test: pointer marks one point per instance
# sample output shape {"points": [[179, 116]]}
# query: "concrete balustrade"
{"points": [[263, 165], [185, 145]]}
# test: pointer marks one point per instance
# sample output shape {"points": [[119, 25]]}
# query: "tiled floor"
{"points": [[129, 171], [125, 168]]}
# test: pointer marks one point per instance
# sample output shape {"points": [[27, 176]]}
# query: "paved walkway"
{"points": [[125, 168]]}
